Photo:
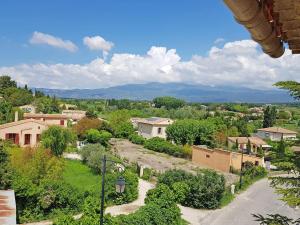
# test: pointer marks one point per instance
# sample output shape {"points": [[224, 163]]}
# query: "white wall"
{"points": [[150, 131]]}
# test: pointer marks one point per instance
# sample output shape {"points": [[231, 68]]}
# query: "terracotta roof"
{"points": [[270, 23], [244, 140], [6, 125], [40, 115], [156, 121], [73, 111], [277, 130], [7, 207]]}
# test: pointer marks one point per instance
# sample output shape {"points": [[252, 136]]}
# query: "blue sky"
{"points": [[190, 26], [97, 43]]}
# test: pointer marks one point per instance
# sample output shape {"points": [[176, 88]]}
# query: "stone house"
{"points": [[276, 133], [153, 127], [50, 119]]}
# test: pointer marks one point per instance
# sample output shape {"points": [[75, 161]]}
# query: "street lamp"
{"points": [[120, 185]]}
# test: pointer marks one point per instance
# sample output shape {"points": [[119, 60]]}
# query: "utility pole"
{"points": [[102, 191], [241, 173]]}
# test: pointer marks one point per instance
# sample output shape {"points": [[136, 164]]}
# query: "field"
{"points": [[81, 177]]}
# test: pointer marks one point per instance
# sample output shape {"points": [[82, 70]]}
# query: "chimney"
{"points": [[16, 116]]}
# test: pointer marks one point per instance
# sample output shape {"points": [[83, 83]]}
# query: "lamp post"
{"points": [[241, 173], [120, 186]]}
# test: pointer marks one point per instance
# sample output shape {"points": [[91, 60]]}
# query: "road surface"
{"points": [[259, 198]]}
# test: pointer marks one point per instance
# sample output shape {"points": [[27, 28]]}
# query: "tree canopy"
{"points": [[292, 86], [168, 102]]}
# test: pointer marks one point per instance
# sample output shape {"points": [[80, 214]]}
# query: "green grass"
{"points": [[81, 177]]}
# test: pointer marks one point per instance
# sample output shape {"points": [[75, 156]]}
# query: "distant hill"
{"points": [[191, 93]]}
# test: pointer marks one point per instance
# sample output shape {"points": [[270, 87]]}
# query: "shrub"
{"points": [[123, 130], [206, 190], [172, 176], [96, 136], [160, 145], [131, 188], [105, 136], [147, 174], [87, 149], [136, 139], [161, 192], [180, 189], [93, 136], [203, 190]]}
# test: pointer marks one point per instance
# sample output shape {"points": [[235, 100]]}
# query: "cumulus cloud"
{"points": [[239, 63], [98, 43], [47, 39]]}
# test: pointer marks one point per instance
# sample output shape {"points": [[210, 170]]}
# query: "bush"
{"points": [[137, 139], [160, 145], [93, 136], [105, 136], [123, 130], [203, 190], [87, 149], [180, 189], [131, 189], [147, 174], [172, 176], [206, 190]]}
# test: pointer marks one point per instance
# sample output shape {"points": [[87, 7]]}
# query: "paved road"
{"points": [[259, 198]]}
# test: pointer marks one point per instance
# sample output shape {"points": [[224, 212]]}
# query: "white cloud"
{"points": [[98, 43], [47, 39], [219, 41], [239, 63]]}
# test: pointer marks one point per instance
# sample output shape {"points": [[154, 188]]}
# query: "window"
{"points": [[256, 163], [159, 130], [27, 139], [62, 122], [207, 156], [13, 137]]}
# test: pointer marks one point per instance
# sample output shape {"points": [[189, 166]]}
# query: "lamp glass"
{"points": [[120, 185]]}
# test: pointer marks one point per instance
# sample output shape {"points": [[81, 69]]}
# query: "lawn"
{"points": [[81, 177]]}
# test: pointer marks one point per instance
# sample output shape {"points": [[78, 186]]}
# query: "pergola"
{"points": [[271, 23]]}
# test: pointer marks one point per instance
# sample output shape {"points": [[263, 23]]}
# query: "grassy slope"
{"points": [[81, 177]]}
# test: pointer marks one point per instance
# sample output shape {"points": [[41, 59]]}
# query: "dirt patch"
{"points": [[158, 161]]}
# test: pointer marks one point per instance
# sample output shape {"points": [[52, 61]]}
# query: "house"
{"points": [[276, 133], [153, 127], [28, 108], [134, 121], [74, 115], [25, 133], [255, 143], [222, 160], [8, 210], [50, 119]]}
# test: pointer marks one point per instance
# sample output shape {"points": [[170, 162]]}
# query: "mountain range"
{"points": [[188, 92]]}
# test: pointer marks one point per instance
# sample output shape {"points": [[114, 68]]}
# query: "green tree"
{"points": [[269, 117], [6, 82], [292, 87], [192, 132], [248, 146], [168, 102], [57, 139]]}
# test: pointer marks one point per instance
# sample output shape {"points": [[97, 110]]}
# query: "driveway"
{"points": [[259, 198], [158, 161]]}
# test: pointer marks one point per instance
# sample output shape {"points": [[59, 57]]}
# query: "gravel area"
{"points": [[157, 161]]}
